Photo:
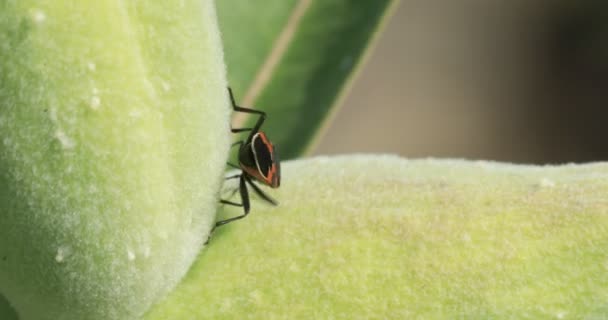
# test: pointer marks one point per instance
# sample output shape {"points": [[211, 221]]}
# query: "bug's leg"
{"points": [[233, 177], [238, 143], [237, 130], [232, 193], [237, 108], [259, 192], [233, 165], [244, 203], [257, 125]]}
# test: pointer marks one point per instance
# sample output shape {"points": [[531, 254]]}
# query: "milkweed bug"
{"points": [[258, 161]]}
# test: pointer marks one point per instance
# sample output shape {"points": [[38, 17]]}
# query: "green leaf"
{"points": [[113, 140], [295, 58], [6, 311], [248, 34], [379, 237]]}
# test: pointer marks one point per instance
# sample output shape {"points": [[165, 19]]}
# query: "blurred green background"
{"points": [[518, 81]]}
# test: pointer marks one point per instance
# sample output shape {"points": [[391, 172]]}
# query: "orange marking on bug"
{"points": [[271, 174], [268, 179], [256, 174], [267, 142]]}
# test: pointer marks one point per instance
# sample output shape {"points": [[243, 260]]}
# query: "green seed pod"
{"points": [[114, 133]]}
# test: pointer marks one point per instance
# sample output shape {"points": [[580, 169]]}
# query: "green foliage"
{"points": [[6, 311], [324, 50], [248, 35]]}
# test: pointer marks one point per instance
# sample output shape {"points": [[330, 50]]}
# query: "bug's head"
{"points": [[267, 168]]}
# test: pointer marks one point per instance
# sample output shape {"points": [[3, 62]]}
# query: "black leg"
{"points": [[245, 203], [232, 194], [233, 177], [236, 204], [258, 124], [244, 180], [232, 203], [259, 191], [233, 165], [238, 143], [240, 130]]}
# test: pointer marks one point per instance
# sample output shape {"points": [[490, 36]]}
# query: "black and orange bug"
{"points": [[258, 161]]}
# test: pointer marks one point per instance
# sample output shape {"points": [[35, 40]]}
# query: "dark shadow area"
{"points": [[572, 113], [6, 311]]}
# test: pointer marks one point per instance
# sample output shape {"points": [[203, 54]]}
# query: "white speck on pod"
{"points": [[135, 113], [38, 16], [53, 114], [130, 255], [65, 141], [256, 296], [95, 102], [166, 86], [546, 183], [293, 267], [226, 305], [91, 66], [63, 252]]}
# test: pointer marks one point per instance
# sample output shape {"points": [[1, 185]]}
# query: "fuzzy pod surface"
{"points": [[382, 237], [113, 137]]}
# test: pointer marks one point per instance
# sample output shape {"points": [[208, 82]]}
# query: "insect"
{"points": [[258, 161]]}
